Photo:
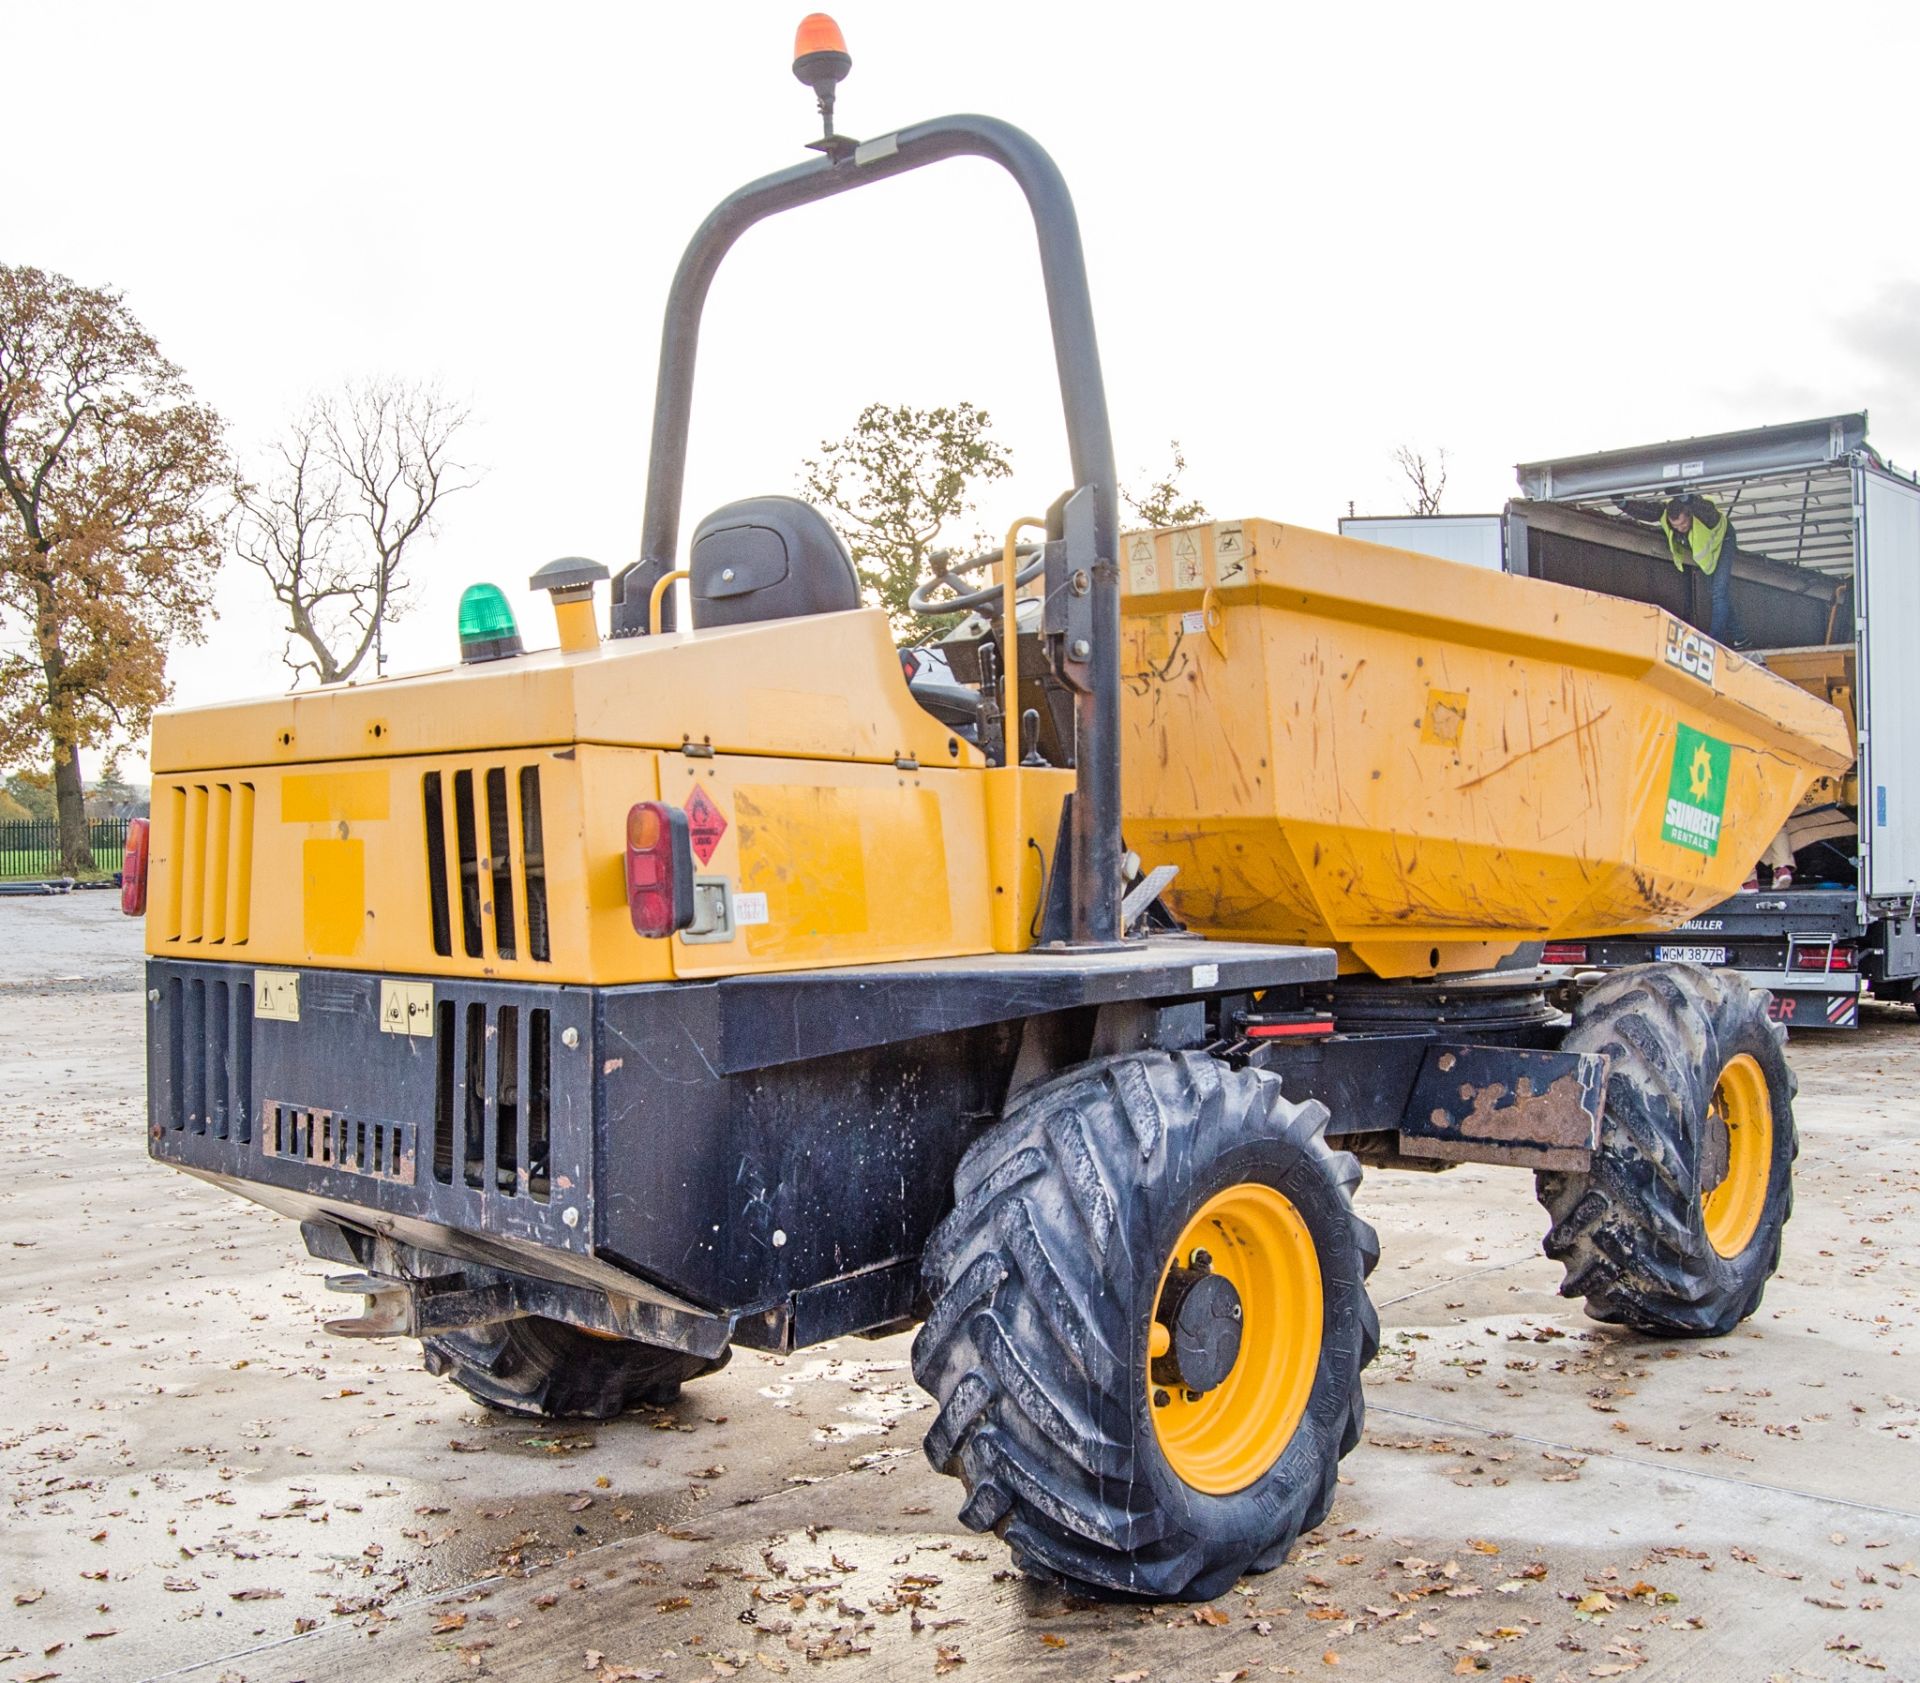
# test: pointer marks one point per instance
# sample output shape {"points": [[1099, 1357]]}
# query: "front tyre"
{"points": [[1149, 1323], [1675, 1228]]}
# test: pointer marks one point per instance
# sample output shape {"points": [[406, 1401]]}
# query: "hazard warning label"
{"points": [[705, 825], [1187, 571], [1229, 554], [1143, 567]]}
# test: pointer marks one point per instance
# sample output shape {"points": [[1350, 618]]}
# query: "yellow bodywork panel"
{"points": [[839, 864], [1425, 764], [473, 821], [826, 687]]}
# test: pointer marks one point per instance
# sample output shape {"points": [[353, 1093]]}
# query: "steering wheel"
{"points": [[987, 601]]}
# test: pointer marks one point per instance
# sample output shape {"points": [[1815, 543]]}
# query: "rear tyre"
{"points": [[551, 1371], [1149, 1322], [1676, 1227]]}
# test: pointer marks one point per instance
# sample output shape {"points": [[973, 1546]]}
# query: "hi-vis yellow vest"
{"points": [[1701, 545]]}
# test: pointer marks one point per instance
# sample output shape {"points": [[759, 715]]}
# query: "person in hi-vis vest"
{"points": [[1698, 535]]}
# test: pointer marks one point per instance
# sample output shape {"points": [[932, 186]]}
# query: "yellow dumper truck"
{"points": [[601, 1007]]}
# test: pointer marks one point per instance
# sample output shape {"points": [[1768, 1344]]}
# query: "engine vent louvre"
{"points": [[212, 1056], [493, 1099], [436, 824], [207, 897], [474, 846], [329, 1140]]}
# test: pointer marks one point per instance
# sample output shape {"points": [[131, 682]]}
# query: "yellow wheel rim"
{"points": [[1734, 1207], [1230, 1435]]}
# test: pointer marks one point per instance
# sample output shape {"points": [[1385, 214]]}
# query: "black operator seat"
{"points": [[769, 558]]}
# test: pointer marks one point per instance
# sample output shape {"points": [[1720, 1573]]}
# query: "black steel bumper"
{"points": [[766, 1152]]}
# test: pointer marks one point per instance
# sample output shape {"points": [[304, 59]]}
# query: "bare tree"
{"points": [[352, 484], [1426, 477]]}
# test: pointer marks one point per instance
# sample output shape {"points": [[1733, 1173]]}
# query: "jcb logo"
{"points": [[1692, 651]]}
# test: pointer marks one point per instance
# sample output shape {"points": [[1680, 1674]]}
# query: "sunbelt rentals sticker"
{"points": [[1696, 791]]}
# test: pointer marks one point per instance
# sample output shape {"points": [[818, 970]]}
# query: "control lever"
{"points": [[1030, 738]]}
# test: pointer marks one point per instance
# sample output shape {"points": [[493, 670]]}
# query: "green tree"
{"points": [[13, 810], [898, 479], [1159, 503], [32, 793], [110, 795], [109, 534]]}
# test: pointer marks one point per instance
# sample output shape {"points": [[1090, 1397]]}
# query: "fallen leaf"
{"points": [[26, 1598], [449, 1621], [256, 1595]]}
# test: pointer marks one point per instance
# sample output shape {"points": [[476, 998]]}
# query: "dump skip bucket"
{"points": [[1427, 764]]}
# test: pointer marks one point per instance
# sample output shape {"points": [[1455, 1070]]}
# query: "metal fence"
{"points": [[31, 847]]}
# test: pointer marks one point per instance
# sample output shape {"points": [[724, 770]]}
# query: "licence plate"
{"points": [[1691, 955]]}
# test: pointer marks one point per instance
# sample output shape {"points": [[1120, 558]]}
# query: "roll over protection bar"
{"points": [[1090, 666]]}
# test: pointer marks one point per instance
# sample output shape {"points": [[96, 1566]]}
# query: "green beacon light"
{"points": [[487, 628]]}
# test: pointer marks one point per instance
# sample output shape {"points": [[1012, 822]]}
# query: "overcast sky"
{"points": [[1314, 233]]}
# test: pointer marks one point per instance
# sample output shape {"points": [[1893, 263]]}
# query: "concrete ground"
{"points": [[199, 1483]]}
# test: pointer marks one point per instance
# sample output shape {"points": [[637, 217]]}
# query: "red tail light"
{"points": [[1564, 952], [1821, 959], [659, 869], [133, 869]]}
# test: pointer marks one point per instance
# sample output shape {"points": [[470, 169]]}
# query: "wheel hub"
{"points": [[1241, 1297], [1201, 1312]]}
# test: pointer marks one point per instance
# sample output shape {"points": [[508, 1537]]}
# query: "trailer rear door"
{"points": [[1887, 559]]}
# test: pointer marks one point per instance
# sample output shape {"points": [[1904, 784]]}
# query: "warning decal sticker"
{"points": [[1229, 554], [705, 825], [1696, 791], [1187, 573], [1143, 568]]}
